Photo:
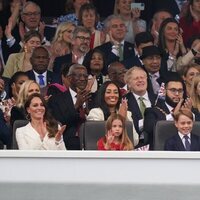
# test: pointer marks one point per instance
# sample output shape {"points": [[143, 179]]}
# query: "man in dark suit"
{"points": [[117, 49], [80, 48], [142, 39], [184, 140], [174, 94], [40, 73], [151, 58], [30, 20], [68, 107], [138, 98]]}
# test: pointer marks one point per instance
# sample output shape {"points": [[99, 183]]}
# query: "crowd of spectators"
{"points": [[124, 64]]}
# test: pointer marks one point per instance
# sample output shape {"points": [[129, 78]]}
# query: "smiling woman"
{"points": [[43, 131], [109, 102]]}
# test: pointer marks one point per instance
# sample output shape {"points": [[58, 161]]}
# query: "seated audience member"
{"points": [[116, 137], [174, 100], [158, 17], [116, 72], [95, 64], [151, 58], [14, 86], [21, 61], [142, 39], [117, 49], [193, 54], [138, 98], [73, 9], [195, 96], [189, 72], [70, 107], [40, 73], [80, 48], [190, 23], [27, 88], [108, 102], [131, 18], [42, 132], [5, 132], [30, 16], [88, 17], [171, 42], [185, 139]]}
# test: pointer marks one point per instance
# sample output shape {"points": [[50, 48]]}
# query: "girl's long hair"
{"points": [[125, 142]]}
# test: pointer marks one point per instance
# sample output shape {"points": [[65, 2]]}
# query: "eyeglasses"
{"points": [[78, 76], [175, 91], [29, 14], [82, 38]]}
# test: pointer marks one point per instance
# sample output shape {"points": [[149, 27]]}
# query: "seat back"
{"points": [[92, 131], [165, 130], [17, 124]]}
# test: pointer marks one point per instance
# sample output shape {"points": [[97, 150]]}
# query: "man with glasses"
{"points": [[174, 101], [80, 48], [30, 20], [70, 107]]}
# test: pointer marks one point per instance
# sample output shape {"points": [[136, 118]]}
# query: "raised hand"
{"points": [[60, 132], [109, 138], [41, 29], [21, 30], [123, 108], [135, 13], [82, 96]]}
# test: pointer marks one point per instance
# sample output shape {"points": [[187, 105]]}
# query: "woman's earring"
{"points": [[28, 117]]}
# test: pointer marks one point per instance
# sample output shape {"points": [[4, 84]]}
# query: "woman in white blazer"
{"points": [[109, 101], [42, 132]]}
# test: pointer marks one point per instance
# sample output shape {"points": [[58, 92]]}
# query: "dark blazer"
{"points": [[151, 116], [51, 77], [135, 110], [175, 144], [62, 108], [128, 51], [60, 61]]}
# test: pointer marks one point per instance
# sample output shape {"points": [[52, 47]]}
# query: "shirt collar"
{"points": [[145, 96], [182, 136]]}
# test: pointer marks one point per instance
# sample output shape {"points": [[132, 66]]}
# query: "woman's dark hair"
{"points": [[88, 7], [161, 40], [101, 101], [51, 123], [14, 79], [88, 59]]}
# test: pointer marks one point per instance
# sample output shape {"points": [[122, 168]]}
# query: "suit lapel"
{"points": [[179, 143]]}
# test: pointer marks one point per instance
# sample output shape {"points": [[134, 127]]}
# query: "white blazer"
{"points": [[29, 139], [96, 114]]}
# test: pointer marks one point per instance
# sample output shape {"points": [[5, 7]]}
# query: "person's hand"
{"points": [[194, 15], [187, 104], [82, 96], [46, 98], [21, 30], [179, 41], [41, 29], [112, 39], [60, 132], [2, 85], [135, 13], [109, 137], [123, 108], [154, 33], [178, 106], [14, 91], [8, 29], [90, 83]]}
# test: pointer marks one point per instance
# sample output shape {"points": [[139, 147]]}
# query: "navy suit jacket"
{"points": [[128, 51], [135, 110], [175, 144], [151, 116], [60, 61], [63, 110], [51, 77]]}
